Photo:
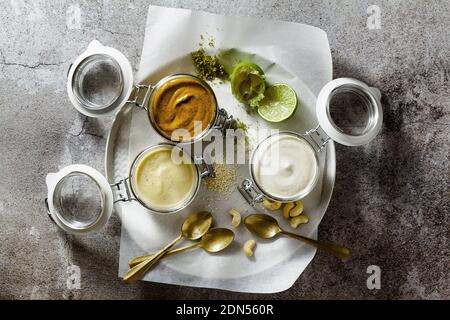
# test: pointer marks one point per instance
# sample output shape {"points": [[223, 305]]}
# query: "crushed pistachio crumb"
{"points": [[208, 66], [239, 124], [211, 42]]}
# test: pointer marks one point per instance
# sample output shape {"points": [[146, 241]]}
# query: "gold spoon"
{"points": [[214, 240], [193, 228], [267, 227]]}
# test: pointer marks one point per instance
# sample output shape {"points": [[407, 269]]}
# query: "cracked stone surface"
{"points": [[391, 198]]}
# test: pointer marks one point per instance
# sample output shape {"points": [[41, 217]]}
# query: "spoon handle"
{"points": [[138, 271], [139, 259], [338, 251]]}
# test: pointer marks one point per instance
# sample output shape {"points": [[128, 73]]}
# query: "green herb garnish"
{"points": [[239, 124], [208, 66]]}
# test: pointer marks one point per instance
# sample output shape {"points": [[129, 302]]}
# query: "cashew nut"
{"points": [[297, 210], [271, 205], [236, 217], [287, 208], [249, 247], [296, 221]]}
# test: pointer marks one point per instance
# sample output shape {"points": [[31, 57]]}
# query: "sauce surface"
{"points": [[183, 103], [162, 183], [285, 166]]}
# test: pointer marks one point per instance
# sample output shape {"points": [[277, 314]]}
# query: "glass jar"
{"points": [[200, 168], [80, 199], [219, 120], [100, 82], [310, 144]]}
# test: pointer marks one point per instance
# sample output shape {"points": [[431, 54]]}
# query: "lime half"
{"points": [[248, 83], [279, 103]]}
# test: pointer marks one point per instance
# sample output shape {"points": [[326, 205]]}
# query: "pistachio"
{"points": [[296, 221], [235, 217], [287, 208], [249, 247], [297, 210], [271, 205], [208, 67]]}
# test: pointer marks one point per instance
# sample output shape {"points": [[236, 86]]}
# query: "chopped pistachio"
{"points": [[208, 66]]}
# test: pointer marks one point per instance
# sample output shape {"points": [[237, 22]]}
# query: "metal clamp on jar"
{"points": [[80, 199], [284, 167], [100, 81]]}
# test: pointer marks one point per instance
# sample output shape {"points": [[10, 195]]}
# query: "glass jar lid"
{"points": [[100, 80], [349, 111], [80, 199], [97, 82]]}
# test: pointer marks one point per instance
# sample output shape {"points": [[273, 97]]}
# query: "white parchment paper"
{"points": [[288, 52]]}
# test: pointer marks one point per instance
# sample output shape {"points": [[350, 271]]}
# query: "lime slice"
{"points": [[248, 83], [279, 103]]}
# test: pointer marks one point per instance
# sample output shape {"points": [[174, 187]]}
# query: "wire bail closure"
{"points": [[122, 191], [224, 121], [206, 169], [140, 93], [318, 138], [250, 193]]}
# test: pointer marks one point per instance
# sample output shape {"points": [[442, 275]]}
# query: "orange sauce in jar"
{"points": [[183, 103]]}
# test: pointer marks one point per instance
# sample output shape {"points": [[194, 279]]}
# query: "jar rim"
{"points": [[296, 197], [182, 204], [151, 117], [57, 198], [83, 63], [371, 98]]}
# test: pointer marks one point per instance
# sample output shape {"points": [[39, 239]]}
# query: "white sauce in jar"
{"points": [[285, 166]]}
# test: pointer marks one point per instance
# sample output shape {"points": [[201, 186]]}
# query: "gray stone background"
{"points": [[391, 199]]}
